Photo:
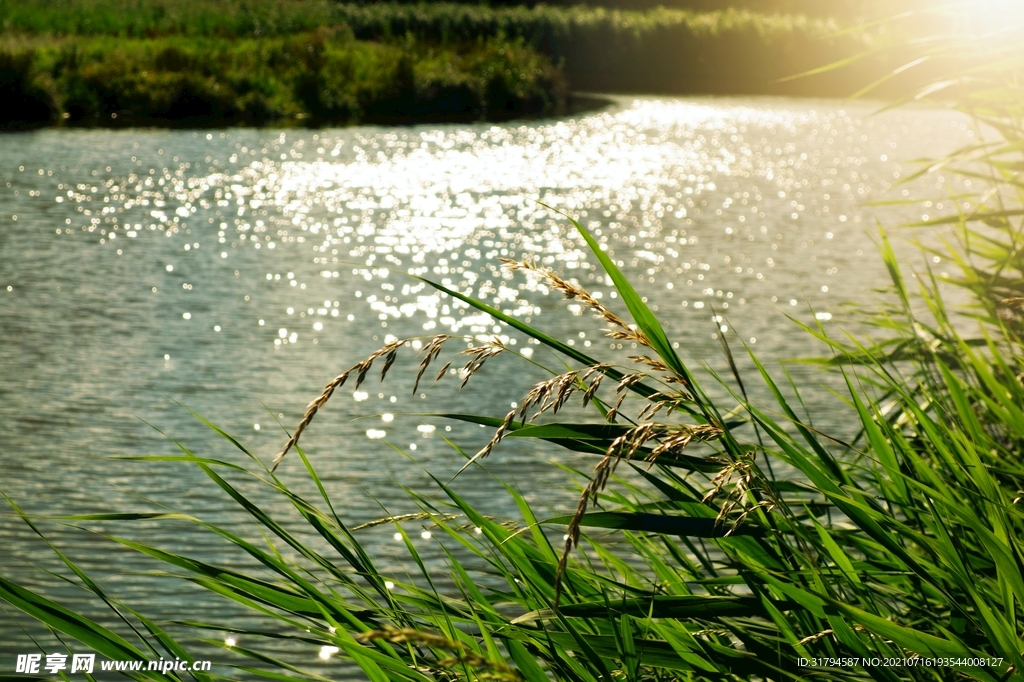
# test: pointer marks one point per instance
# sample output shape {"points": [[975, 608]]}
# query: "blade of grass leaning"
{"points": [[661, 523], [565, 349]]}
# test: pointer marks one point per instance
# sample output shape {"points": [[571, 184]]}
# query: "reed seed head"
{"points": [[389, 352], [621, 330], [671, 437], [497, 670]]}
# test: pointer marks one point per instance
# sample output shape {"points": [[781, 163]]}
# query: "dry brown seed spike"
{"points": [[614, 412], [444, 370], [478, 356], [625, 331], [623, 447], [430, 353], [495, 439], [390, 350]]}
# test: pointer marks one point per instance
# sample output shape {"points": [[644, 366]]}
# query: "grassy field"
{"points": [[85, 61]]}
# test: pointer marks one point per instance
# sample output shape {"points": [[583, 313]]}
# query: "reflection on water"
{"points": [[236, 271]]}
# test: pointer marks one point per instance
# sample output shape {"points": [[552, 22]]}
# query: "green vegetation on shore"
{"points": [[254, 18], [85, 61], [657, 50], [156, 18], [322, 76]]}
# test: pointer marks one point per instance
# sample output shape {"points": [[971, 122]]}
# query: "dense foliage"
{"points": [[290, 15], [659, 50], [140, 18], [852, 11], [316, 77], [153, 18], [656, 50]]}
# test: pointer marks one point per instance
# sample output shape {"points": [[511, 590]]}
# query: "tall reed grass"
{"points": [[658, 50], [896, 555], [435, 21], [655, 50]]}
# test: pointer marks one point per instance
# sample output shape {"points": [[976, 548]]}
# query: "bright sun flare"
{"points": [[989, 14]]}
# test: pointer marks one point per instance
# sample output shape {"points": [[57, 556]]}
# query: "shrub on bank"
{"points": [[324, 76], [26, 99]]}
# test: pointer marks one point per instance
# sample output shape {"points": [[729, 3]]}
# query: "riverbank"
{"points": [[221, 62], [317, 77]]}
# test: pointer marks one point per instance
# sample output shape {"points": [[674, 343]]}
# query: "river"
{"points": [[233, 272]]}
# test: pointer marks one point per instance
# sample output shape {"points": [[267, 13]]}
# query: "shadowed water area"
{"points": [[232, 273]]}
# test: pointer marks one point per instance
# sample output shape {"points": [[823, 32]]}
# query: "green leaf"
{"points": [[583, 438], [660, 606], [663, 524], [53, 615], [642, 315]]}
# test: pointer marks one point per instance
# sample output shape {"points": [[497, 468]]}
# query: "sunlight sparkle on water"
{"points": [[706, 198]]}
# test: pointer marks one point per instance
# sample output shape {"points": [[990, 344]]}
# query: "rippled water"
{"points": [[234, 272]]}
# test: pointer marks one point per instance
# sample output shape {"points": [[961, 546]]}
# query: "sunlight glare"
{"points": [[986, 16]]}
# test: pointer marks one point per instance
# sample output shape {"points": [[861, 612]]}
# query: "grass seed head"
{"points": [[430, 353], [478, 356], [672, 438], [389, 352], [463, 655], [621, 330]]}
